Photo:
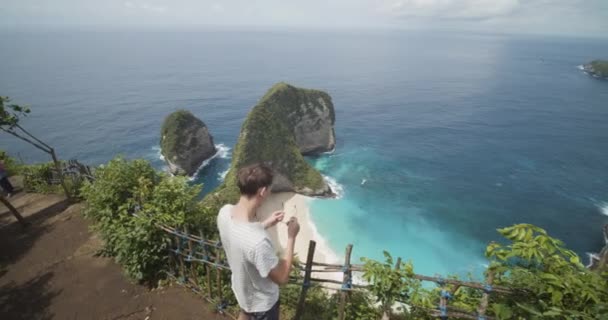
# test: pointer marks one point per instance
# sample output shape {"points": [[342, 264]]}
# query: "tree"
{"points": [[10, 116]]}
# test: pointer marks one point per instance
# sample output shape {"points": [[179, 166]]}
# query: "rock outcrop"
{"points": [[185, 142], [286, 123], [597, 68], [308, 114], [599, 261]]}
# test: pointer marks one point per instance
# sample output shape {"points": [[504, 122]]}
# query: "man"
{"points": [[257, 272], [4, 182]]}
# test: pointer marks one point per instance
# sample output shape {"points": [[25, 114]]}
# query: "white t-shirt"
{"points": [[251, 257]]}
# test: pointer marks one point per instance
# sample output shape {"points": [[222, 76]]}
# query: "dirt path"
{"points": [[49, 271]]}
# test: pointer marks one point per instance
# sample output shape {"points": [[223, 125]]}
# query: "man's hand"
{"points": [[280, 273], [293, 228], [274, 218]]}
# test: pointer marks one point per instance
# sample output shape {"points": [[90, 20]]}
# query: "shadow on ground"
{"points": [[16, 240], [29, 300]]}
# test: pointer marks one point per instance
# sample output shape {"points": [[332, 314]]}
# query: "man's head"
{"points": [[254, 182]]}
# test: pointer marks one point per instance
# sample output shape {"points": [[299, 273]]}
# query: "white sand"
{"points": [[297, 205]]}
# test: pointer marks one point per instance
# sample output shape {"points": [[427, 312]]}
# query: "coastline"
{"points": [[297, 205]]}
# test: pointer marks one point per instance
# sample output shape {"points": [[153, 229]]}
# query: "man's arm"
{"points": [[280, 273]]}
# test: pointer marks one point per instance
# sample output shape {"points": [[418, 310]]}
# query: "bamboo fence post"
{"points": [[306, 284], [193, 274], [207, 268], [443, 304], [218, 272], [483, 304], [172, 259], [60, 172], [180, 257], [345, 280]]}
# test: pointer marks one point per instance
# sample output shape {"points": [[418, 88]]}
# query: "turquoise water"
{"points": [[374, 218], [455, 135]]}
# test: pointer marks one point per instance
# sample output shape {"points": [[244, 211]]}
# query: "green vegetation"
{"points": [[282, 94], [127, 202], [37, 177], [10, 116], [553, 282], [547, 279], [600, 67], [12, 165], [390, 283]]}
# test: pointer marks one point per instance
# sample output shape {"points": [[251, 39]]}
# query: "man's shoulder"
{"points": [[226, 208], [224, 211]]}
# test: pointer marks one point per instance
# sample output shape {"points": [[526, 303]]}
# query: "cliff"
{"points": [[185, 142], [286, 123], [308, 114]]}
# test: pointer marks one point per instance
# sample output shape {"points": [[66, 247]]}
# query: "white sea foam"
{"points": [[592, 258], [157, 153], [603, 208], [223, 152], [330, 151], [581, 67], [337, 188], [222, 175]]}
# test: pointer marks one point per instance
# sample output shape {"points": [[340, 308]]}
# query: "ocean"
{"points": [[441, 137]]}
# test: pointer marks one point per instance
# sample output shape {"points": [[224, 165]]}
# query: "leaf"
{"points": [[529, 309], [502, 311], [552, 313]]}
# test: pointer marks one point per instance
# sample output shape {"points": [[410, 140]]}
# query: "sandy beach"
{"points": [[296, 205]]}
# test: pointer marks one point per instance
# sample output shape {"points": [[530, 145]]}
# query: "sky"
{"points": [[561, 17]]}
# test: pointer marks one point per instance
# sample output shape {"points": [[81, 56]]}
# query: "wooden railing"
{"points": [[189, 252]]}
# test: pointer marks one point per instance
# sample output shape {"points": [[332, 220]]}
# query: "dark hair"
{"points": [[253, 177]]}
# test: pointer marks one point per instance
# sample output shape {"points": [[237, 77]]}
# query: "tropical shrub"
{"points": [[552, 282], [127, 202], [12, 165]]}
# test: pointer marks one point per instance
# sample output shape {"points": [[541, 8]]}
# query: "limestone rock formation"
{"points": [[308, 114], [185, 142], [286, 123]]}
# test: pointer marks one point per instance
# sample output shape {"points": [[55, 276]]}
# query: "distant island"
{"points": [[597, 68], [185, 142]]}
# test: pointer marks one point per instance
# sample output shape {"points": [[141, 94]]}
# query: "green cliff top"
{"points": [[283, 98]]}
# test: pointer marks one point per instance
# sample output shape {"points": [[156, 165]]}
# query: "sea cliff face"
{"points": [[270, 134], [597, 68], [308, 114], [185, 142]]}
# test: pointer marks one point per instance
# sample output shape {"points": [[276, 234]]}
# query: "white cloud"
{"points": [[570, 17], [450, 9], [144, 6], [217, 7]]}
